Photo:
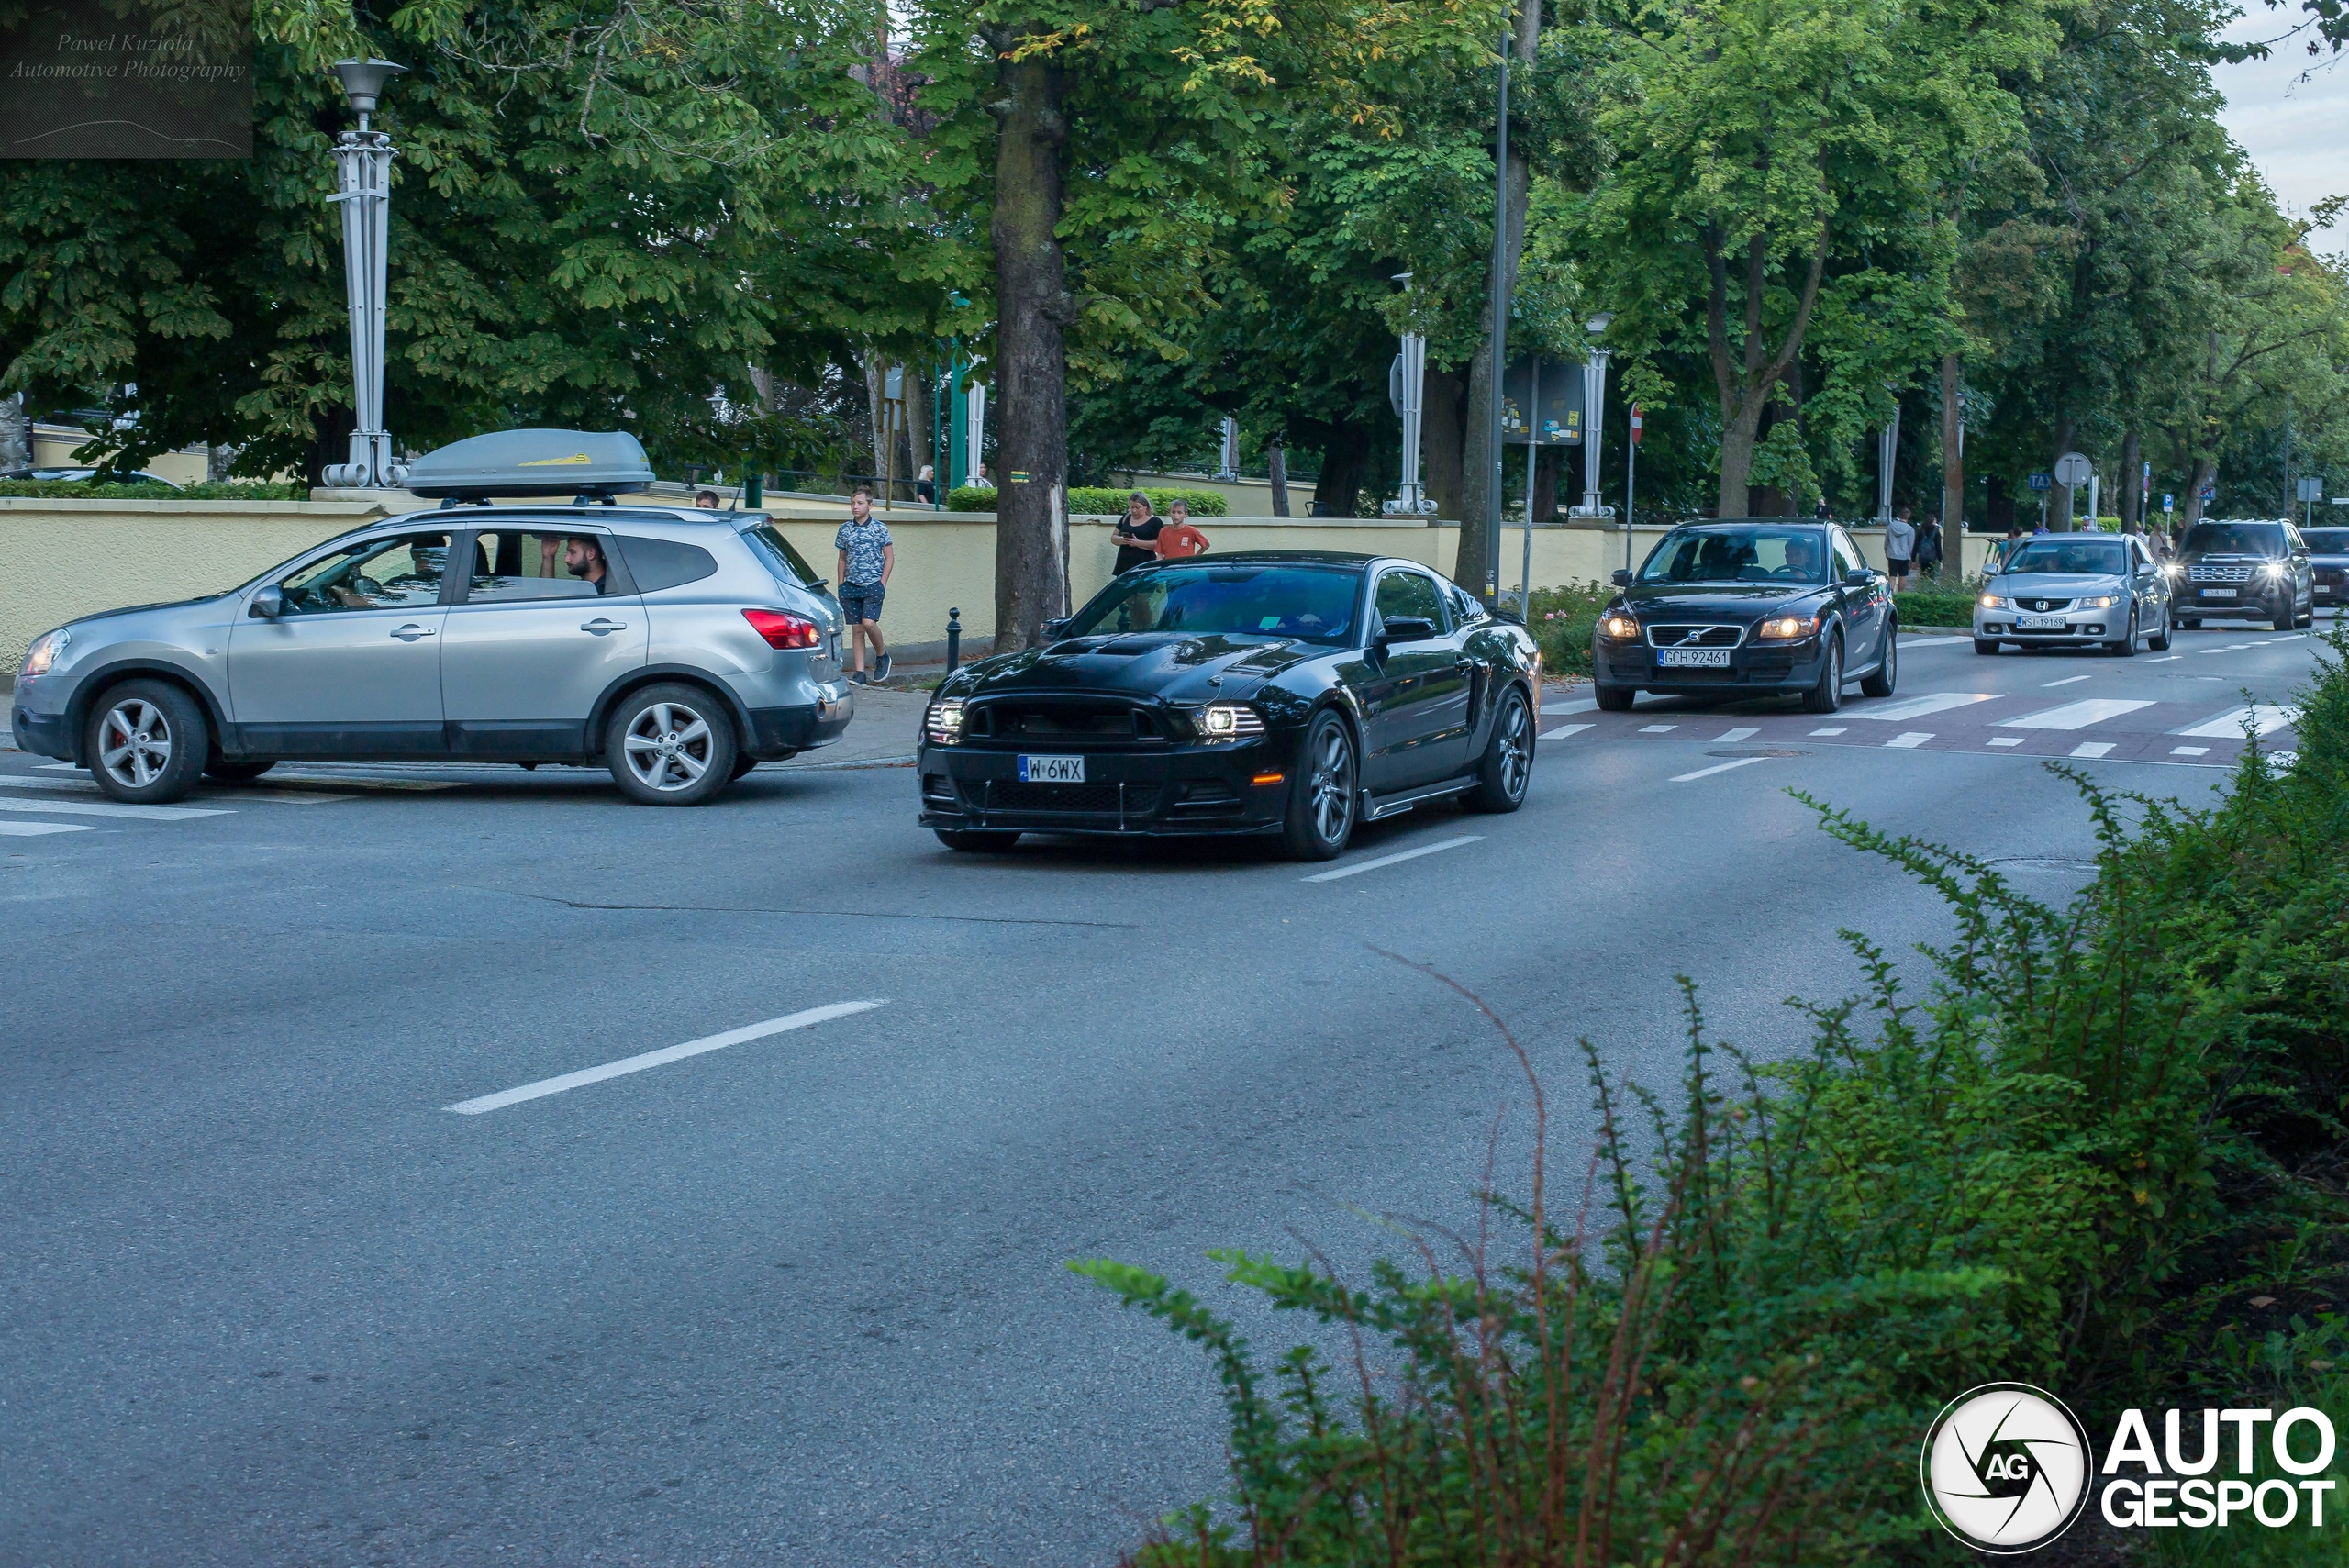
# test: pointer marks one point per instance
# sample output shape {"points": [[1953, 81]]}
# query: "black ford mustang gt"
{"points": [[1748, 607], [1289, 693]]}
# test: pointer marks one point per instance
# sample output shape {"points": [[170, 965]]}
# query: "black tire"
{"points": [[1886, 674], [1985, 645], [2190, 624], [744, 763], [157, 738], [221, 770], [975, 841], [1506, 770], [671, 744], [1827, 695], [2127, 647], [2159, 642], [1322, 791], [1613, 699]]}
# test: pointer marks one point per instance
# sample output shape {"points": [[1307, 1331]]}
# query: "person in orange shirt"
{"points": [[1178, 540]]}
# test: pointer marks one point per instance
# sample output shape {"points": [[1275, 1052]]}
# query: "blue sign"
{"points": [[2210, 493], [2169, 502], [2040, 482]]}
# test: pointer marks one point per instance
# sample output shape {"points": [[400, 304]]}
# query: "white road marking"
{"points": [[1563, 731], [2262, 718], [2091, 748], [2075, 714], [1932, 642], [627, 1064], [1717, 768], [2217, 651], [1571, 705], [107, 808], [2189, 751], [1909, 741], [36, 830], [1739, 734], [247, 791], [2006, 741], [1838, 729], [1397, 858], [1657, 729], [2067, 681], [1919, 706], [2166, 659]]}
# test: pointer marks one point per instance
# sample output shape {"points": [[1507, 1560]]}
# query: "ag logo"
{"points": [[2006, 1468]]}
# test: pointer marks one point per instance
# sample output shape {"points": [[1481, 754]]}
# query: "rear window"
{"points": [[2234, 538], [658, 563], [2327, 541], [767, 542]]}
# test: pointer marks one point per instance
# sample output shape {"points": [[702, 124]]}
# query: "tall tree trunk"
{"points": [[1480, 459], [1338, 491], [876, 381], [2206, 469], [1740, 435], [1746, 374], [1032, 312], [1442, 440], [918, 445], [2132, 494], [1277, 465], [2061, 521], [1952, 471]]}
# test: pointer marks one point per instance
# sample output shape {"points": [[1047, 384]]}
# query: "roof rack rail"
{"points": [[587, 465]]}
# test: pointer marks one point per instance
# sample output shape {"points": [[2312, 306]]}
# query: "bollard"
{"points": [[953, 639]]}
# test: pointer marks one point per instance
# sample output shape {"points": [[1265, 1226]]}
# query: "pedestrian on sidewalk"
{"points": [[867, 558], [1929, 546], [1899, 549], [1137, 533], [1178, 540]]}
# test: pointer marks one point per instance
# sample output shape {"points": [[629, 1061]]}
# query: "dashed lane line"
{"points": [[1717, 768], [2006, 741], [661, 1058], [1836, 729], [1909, 741], [1395, 859], [1657, 729], [1563, 731], [2189, 751], [109, 809], [41, 829], [1742, 733], [2067, 681]]}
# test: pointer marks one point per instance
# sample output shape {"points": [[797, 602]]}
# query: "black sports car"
{"points": [[1288, 692], [1745, 607]]}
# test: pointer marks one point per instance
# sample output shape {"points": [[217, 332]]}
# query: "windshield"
{"points": [[1312, 602], [2081, 557], [2327, 541], [2233, 538], [767, 542], [1739, 555]]}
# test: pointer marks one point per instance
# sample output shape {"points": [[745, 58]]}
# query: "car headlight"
{"points": [[1622, 629], [2172, 569], [43, 653], [2104, 603], [1993, 602], [1229, 721], [945, 721], [1782, 628], [2276, 568]]}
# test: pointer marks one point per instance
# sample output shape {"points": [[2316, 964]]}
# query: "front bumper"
{"points": [[2079, 625], [2259, 599], [43, 734], [1179, 791], [1754, 667]]}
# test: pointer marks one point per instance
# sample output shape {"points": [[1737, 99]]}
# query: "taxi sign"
{"points": [[599, 463]]}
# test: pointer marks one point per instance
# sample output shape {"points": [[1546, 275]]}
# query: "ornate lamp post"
{"points": [[1406, 388], [1593, 412], [363, 161]]}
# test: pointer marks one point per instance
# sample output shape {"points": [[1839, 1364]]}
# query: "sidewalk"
{"points": [[882, 735]]}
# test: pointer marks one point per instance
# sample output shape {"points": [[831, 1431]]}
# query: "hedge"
{"points": [[1087, 500], [149, 490], [2100, 1149]]}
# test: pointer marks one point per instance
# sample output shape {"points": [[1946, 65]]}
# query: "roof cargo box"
{"points": [[532, 463]]}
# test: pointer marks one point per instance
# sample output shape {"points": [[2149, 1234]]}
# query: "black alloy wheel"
{"points": [[1827, 696], [1507, 766], [1888, 671], [1320, 820]]}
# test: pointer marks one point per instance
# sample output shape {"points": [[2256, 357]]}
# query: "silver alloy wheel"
{"points": [[1516, 754], [135, 742], [668, 747], [1332, 784]]}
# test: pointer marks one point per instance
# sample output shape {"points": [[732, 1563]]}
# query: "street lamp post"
{"points": [[1594, 421], [1407, 384], [363, 161]]}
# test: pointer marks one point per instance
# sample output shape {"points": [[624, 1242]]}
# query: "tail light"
{"points": [[782, 629]]}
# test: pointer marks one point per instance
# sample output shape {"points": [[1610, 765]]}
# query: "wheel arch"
{"points": [[600, 716], [98, 682]]}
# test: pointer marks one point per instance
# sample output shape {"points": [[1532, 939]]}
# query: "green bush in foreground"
{"points": [[1562, 621], [2102, 1153], [1089, 500], [149, 490], [1933, 606]]}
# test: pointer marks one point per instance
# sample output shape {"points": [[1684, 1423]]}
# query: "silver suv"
{"points": [[679, 646]]}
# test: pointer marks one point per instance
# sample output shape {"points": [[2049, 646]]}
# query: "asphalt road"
{"points": [[266, 1297]]}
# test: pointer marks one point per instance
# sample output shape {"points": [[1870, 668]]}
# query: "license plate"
{"points": [[2218, 593], [2321, 588], [2040, 623], [1052, 770], [1693, 658]]}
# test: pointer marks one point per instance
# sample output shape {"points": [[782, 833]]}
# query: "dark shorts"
{"points": [[861, 601], [1896, 566]]}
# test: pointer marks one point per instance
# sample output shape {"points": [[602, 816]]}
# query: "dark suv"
{"points": [[2254, 571], [2329, 563]]}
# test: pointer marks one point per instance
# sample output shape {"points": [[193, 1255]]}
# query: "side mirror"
{"points": [[1406, 628], [1052, 629], [269, 603], [1858, 577], [1622, 578]]}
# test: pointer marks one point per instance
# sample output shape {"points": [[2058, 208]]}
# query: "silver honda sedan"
{"points": [[677, 647], [2095, 590]]}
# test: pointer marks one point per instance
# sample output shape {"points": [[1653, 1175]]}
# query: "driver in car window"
{"points": [[1802, 557], [585, 558]]}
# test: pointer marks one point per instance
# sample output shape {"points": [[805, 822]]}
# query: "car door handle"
{"points": [[411, 631], [600, 626]]}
